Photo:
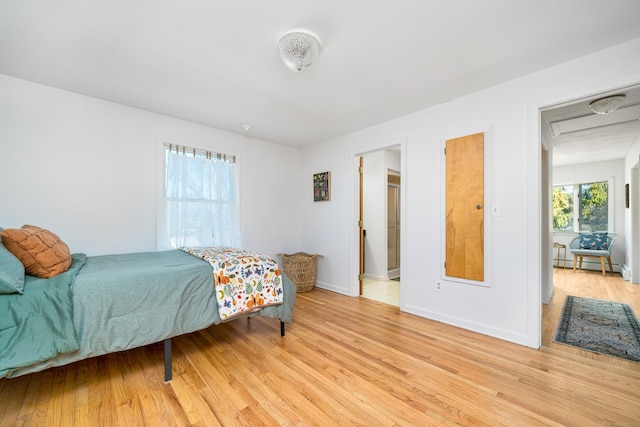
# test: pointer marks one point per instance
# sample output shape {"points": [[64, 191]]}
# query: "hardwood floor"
{"points": [[588, 284], [344, 361]]}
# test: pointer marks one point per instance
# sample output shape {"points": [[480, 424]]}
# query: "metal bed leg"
{"points": [[167, 360], [281, 328]]}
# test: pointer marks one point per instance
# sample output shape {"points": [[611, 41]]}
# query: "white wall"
{"points": [[592, 172], [375, 215], [509, 307], [88, 170], [632, 215], [546, 224]]}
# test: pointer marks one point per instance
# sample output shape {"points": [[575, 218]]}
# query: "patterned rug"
{"points": [[605, 327]]}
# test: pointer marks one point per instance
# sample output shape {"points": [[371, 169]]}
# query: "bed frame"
{"points": [[168, 372], [98, 285]]}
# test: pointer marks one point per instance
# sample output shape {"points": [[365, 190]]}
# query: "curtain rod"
{"points": [[198, 151]]}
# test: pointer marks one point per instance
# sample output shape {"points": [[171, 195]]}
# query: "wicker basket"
{"points": [[301, 269]]}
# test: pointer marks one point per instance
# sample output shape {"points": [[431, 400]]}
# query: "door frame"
{"points": [[634, 205], [536, 251], [354, 283]]}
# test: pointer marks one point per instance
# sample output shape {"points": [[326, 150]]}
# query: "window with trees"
{"points": [[582, 207]]}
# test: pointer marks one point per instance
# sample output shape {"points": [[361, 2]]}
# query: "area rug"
{"points": [[605, 327]]}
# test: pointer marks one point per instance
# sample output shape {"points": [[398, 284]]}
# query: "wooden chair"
{"points": [[579, 249]]}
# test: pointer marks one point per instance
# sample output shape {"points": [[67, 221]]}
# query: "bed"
{"points": [[110, 303]]}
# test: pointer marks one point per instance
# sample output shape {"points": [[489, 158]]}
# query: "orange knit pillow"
{"points": [[41, 251]]}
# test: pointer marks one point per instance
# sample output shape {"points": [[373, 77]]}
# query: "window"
{"points": [[563, 208], [582, 207], [200, 199]]}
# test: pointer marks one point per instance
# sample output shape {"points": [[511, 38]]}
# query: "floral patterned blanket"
{"points": [[244, 281]]}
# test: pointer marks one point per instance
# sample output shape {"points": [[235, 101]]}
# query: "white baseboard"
{"points": [[375, 277], [333, 288], [450, 320], [471, 326]]}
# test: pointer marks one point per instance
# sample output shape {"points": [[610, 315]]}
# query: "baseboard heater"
{"points": [[626, 272]]}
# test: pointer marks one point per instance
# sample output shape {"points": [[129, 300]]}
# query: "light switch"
{"points": [[495, 209]]}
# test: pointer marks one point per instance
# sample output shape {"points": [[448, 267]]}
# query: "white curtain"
{"points": [[200, 201]]}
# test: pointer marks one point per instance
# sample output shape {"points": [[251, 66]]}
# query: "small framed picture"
{"points": [[322, 187]]}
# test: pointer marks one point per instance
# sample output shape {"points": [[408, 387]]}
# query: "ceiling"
{"points": [[581, 136], [216, 62]]}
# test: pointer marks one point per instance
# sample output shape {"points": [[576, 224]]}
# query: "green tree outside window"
{"points": [[563, 208], [590, 215], [594, 209]]}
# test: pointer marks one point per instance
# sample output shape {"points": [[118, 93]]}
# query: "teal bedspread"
{"points": [[38, 324], [129, 300]]}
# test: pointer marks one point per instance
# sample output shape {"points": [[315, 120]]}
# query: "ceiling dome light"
{"points": [[608, 104], [298, 49]]}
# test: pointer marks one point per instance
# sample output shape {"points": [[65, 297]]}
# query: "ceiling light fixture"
{"points": [[298, 49], [607, 104]]}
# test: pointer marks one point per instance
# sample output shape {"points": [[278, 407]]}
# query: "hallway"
{"points": [[386, 291]]}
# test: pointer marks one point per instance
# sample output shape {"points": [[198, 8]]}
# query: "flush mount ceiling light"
{"points": [[608, 104], [298, 49]]}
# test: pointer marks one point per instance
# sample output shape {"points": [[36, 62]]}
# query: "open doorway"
{"points": [[579, 150], [381, 201]]}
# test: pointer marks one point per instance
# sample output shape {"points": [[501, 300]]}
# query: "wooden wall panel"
{"points": [[465, 207]]}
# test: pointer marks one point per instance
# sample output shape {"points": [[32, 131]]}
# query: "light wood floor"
{"points": [[344, 361], [588, 284]]}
